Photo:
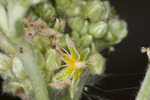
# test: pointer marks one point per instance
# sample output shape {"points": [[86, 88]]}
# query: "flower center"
{"points": [[79, 64]]}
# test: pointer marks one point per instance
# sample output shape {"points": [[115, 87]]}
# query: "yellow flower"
{"points": [[75, 64]]}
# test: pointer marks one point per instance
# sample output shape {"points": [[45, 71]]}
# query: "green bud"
{"points": [[4, 63], [31, 15], [98, 29], [5, 67], [6, 46], [46, 11], [73, 10], [53, 62], [76, 23], [12, 87], [63, 4], [107, 9], [96, 64], [86, 40], [6, 75], [75, 35], [40, 58], [94, 10], [117, 31], [41, 42], [76, 38], [18, 69], [85, 28]]}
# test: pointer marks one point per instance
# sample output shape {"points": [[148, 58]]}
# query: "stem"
{"points": [[144, 92], [33, 71]]}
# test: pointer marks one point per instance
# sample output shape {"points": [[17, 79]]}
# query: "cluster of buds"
{"points": [[88, 20], [65, 38]]}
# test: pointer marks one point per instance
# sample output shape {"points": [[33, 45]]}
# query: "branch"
{"points": [[144, 92]]}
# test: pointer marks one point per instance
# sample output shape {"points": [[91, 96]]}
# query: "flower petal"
{"points": [[64, 74], [74, 54], [67, 59]]}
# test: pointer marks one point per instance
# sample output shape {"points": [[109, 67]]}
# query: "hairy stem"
{"points": [[144, 92], [33, 71]]}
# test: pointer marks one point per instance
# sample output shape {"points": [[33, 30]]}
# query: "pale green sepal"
{"points": [[65, 73]]}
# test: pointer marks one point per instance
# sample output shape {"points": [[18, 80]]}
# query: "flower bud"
{"points": [[62, 5], [86, 40], [12, 87], [53, 62], [6, 46], [4, 63], [75, 35], [41, 42], [94, 10], [40, 58], [73, 10], [5, 67], [117, 31], [98, 29], [76, 23], [31, 15], [46, 11], [96, 64], [107, 10], [18, 69], [85, 28]]}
